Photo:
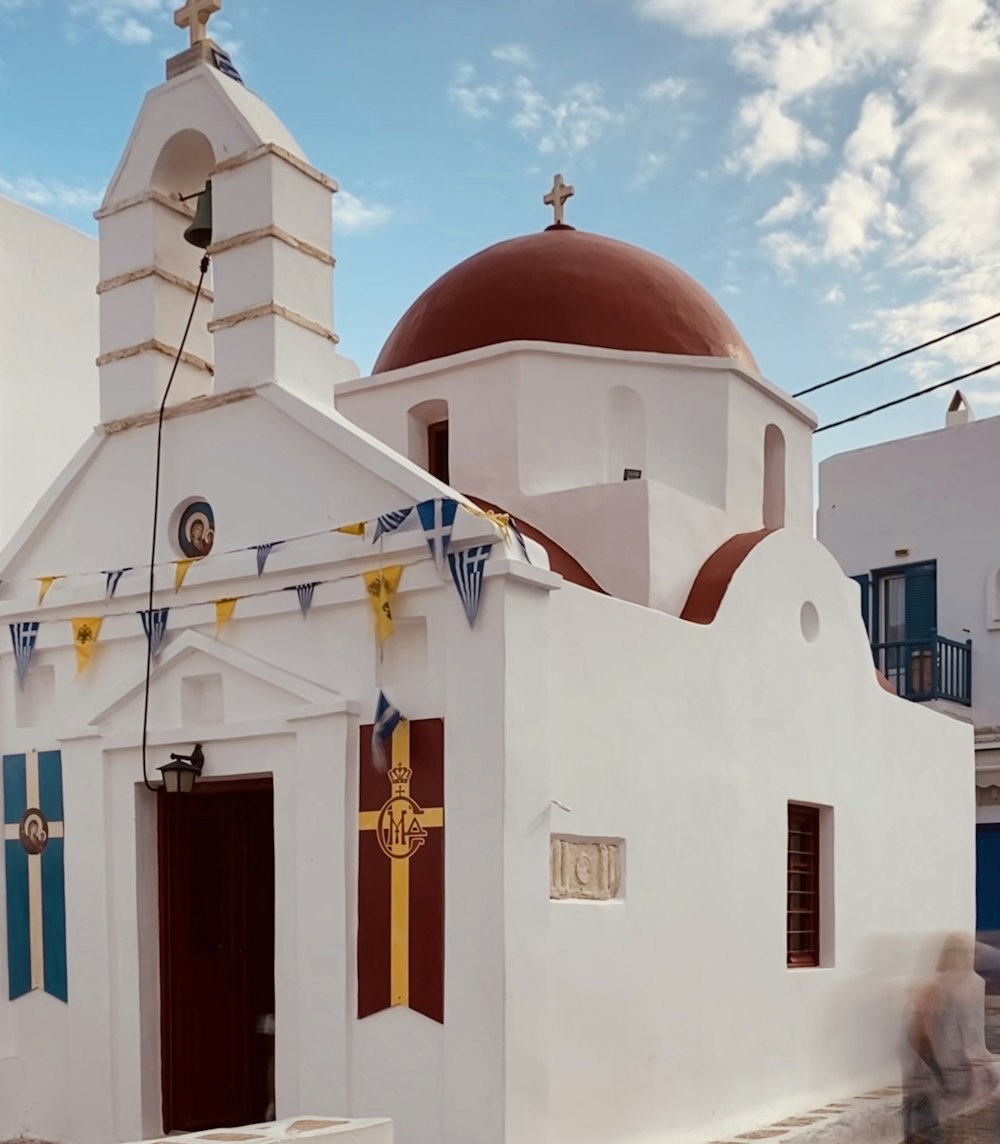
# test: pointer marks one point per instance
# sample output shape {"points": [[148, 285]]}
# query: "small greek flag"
{"points": [[112, 580], [154, 624], [263, 552], [467, 569], [305, 595], [438, 519], [387, 719], [23, 637], [390, 521]]}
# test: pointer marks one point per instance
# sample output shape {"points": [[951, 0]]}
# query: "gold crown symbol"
{"points": [[399, 775]]}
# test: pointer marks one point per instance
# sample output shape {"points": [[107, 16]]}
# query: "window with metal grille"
{"points": [[803, 886]]}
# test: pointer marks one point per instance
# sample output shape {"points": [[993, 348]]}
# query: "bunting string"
{"points": [[390, 522]]}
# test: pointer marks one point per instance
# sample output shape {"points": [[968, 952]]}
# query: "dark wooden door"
{"points": [[216, 955]]}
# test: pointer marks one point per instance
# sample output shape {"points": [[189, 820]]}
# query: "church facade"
{"points": [[543, 788]]}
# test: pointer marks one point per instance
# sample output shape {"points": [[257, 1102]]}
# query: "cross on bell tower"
{"points": [[194, 15]]}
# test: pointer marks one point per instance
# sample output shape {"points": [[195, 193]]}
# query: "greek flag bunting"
{"points": [[263, 552], [438, 519], [113, 579], [23, 636], [467, 568], [154, 624], [33, 832], [305, 595], [387, 718], [390, 521]]}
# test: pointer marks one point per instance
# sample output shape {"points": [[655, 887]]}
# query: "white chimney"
{"points": [[959, 411]]}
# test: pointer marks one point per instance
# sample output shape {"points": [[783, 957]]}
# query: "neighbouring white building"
{"points": [[620, 870], [48, 349], [908, 519]]}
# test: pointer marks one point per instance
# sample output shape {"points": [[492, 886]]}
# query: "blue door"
{"points": [[988, 877]]}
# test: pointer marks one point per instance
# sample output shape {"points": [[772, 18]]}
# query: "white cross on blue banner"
{"points": [[35, 874]]}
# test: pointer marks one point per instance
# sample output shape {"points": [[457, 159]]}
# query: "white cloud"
{"points": [[51, 194], [910, 200], [472, 98], [794, 204], [352, 214], [649, 166], [668, 88], [709, 17], [516, 55], [775, 136], [834, 296], [569, 125], [127, 21]]}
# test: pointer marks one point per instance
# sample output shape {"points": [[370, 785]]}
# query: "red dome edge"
{"points": [[569, 287]]}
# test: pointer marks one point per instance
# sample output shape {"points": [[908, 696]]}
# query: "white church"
{"points": [[484, 746]]}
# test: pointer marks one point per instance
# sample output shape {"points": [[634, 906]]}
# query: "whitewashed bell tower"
{"points": [[267, 311]]}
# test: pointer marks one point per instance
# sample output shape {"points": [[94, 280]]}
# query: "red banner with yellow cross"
{"points": [[401, 872]]}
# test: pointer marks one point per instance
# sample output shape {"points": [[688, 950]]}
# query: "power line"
{"points": [[896, 357], [908, 397]]}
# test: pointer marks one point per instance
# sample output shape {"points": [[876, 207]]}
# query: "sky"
{"points": [[828, 169]]}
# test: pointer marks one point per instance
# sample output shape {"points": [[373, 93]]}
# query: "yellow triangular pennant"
{"points": [[44, 584], [85, 633], [223, 613], [352, 529], [181, 569], [382, 585]]}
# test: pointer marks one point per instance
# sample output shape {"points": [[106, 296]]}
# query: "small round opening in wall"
{"points": [[194, 522], [809, 619]]}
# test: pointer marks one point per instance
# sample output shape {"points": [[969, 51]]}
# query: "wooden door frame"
{"points": [[251, 785]]}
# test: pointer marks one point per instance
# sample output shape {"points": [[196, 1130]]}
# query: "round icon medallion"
{"points": [[33, 831]]}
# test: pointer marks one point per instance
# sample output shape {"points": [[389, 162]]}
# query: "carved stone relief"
{"points": [[588, 869]]}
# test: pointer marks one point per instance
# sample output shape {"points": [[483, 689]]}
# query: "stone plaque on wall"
{"points": [[586, 869]]}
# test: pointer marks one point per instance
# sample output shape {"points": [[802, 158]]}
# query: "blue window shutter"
{"points": [[921, 601], [866, 590]]}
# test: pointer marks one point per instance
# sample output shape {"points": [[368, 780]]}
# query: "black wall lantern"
{"points": [[183, 771]]}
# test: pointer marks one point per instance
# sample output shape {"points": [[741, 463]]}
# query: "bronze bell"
{"points": [[199, 233]]}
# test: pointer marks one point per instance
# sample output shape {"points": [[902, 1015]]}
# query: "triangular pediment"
{"points": [[200, 681]]}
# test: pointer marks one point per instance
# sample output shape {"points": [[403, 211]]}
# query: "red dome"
{"points": [[565, 286]]}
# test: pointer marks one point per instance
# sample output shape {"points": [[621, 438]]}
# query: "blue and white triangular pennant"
{"points": [[390, 521], [305, 595], [112, 580], [520, 539], [154, 624], [387, 718], [438, 519], [467, 568], [23, 636], [263, 552]]}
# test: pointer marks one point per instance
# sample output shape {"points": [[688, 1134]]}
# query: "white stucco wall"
{"points": [[546, 432], [671, 1009], [934, 496], [48, 351]]}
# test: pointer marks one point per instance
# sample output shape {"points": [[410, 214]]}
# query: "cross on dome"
{"points": [[194, 16], [556, 198]]}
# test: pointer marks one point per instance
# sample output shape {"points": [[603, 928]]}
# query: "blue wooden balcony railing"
{"points": [[934, 668]]}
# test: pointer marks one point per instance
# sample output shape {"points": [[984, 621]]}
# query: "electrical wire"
{"points": [[897, 356], [156, 518], [908, 397]]}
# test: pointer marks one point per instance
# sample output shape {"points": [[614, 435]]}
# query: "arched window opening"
{"points": [[626, 435], [428, 439], [774, 477]]}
